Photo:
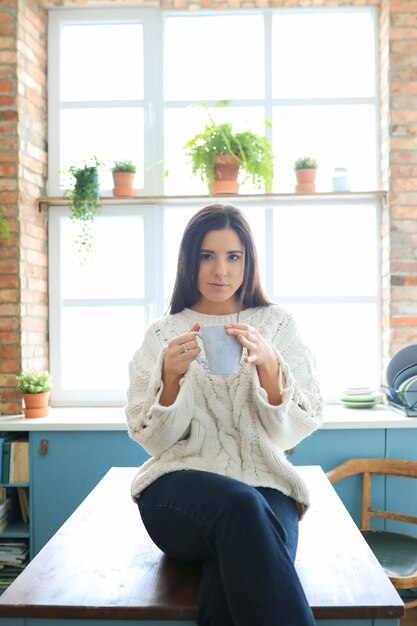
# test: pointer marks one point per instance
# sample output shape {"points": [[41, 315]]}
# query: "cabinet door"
{"points": [[402, 492], [331, 447], [66, 465]]}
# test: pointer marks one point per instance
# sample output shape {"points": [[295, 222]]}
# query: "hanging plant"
{"points": [[84, 203]]}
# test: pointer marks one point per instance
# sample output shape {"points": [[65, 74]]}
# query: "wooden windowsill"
{"points": [[108, 199]]}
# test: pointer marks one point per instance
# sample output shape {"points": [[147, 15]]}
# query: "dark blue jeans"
{"points": [[245, 536]]}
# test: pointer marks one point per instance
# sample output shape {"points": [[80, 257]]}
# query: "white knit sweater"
{"points": [[224, 424]]}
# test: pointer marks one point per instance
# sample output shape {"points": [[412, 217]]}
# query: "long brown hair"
{"points": [[215, 217]]}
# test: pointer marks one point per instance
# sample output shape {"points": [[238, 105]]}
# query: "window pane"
{"points": [[91, 69], [323, 54], [195, 64], [338, 136], [325, 250], [256, 218], [119, 243], [98, 344], [110, 134], [175, 221], [342, 334], [181, 125]]}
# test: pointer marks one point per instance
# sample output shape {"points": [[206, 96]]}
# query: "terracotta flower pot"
{"points": [[123, 183], [36, 404], [226, 171], [306, 178]]}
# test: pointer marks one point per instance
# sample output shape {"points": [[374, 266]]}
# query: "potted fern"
{"points": [[219, 155], [35, 386], [305, 172], [84, 202], [123, 176]]}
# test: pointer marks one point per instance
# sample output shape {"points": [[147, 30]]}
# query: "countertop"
{"points": [[113, 418]]}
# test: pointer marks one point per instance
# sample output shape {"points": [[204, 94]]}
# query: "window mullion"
{"points": [[154, 118]]}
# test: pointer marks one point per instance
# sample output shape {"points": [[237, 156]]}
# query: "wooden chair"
{"points": [[396, 552]]}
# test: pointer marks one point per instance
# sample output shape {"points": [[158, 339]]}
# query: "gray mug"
{"points": [[223, 352]]}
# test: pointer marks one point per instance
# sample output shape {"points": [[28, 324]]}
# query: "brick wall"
{"points": [[23, 259], [10, 354], [384, 51], [403, 170]]}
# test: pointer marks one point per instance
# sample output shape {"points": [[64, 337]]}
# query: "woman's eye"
{"points": [[234, 257], [205, 256]]}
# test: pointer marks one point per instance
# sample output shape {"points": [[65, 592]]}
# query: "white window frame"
{"points": [[154, 106]]}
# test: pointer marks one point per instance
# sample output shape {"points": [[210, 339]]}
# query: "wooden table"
{"points": [[101, 567]]}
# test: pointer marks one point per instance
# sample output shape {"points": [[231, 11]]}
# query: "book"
{"points": [[4, 506], [4, 437], [2, 440], [19, 461], [22, 493], [6, 462]]}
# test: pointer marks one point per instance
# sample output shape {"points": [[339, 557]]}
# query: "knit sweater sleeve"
{"points": [[154, 426], [300, 412]]}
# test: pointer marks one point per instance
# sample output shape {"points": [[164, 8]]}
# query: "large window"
{"points": [[126, 84]]}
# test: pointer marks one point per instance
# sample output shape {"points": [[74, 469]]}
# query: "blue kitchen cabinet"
{"points": [[66, 466]]}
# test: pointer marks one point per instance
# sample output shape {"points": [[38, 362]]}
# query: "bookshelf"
{"points": [[16, 528], [15, 535]]}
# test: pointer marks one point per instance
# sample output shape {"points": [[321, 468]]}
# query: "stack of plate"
{"points": [[401, 377], [360, 397]]}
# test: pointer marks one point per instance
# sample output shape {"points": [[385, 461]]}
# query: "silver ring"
{"points": [[184, 348]]}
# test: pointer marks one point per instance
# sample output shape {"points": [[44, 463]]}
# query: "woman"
{"points": [[219, 487]]}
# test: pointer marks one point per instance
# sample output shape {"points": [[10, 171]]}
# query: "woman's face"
{"points": [[222, 262]]}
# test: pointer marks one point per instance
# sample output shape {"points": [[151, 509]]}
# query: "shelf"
{"points": [[14, 484], [46, 201], [16, 530]]}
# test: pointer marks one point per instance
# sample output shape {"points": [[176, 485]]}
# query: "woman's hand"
{"points": [[260, 351], [261, 354], [180, 352]]}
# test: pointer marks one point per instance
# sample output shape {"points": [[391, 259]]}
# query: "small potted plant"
{"points": [[305, 173], [4, 226], [123, 176], [219, 155], [35, 386], [84, 202]]}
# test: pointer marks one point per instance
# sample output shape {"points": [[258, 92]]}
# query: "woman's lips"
{"points": [[218, 285]]}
